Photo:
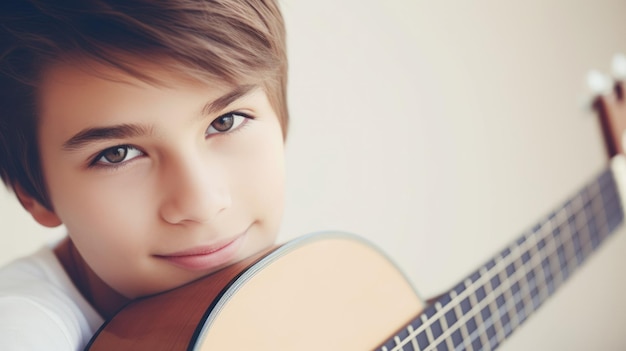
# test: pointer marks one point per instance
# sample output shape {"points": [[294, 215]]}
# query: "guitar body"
{"points": [[292, 298], [337, 292]]}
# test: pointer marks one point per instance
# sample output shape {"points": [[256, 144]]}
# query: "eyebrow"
{"points": [[90, 135], [227, 99], [122, 131]]}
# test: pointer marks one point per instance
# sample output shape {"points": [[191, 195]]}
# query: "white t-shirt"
{"points": [[41, 309]]}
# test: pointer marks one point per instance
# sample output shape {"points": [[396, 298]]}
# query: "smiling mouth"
{"points": [[204, 258]]}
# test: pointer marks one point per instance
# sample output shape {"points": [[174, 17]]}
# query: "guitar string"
{"points": [[540, 284], [585, 249], [541, 289], [508, 307], [486, 302], [560, 224], [464, 294], [471, 287]]}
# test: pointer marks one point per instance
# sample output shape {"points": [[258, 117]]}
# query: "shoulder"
{"points": [[38, 298], [25, 325]]}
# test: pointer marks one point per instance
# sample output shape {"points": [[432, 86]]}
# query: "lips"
{"points": [[202, 258]]}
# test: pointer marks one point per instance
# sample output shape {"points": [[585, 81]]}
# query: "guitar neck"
{"points": [[487, 306]]}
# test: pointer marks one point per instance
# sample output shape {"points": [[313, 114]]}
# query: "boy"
{"points": [[153, 130]]}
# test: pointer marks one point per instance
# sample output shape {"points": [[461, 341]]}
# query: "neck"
{"points": [[100, 295]]}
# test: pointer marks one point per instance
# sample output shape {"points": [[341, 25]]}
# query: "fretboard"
{"points": [[487, 306]]}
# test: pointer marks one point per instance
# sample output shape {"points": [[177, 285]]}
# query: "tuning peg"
{"points": [[619, 66], [598, 83]]}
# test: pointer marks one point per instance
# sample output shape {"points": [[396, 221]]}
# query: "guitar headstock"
{"points": [[611, 106]]}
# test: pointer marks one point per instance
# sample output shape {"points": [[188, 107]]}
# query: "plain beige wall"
{"points": [[440, 130]]}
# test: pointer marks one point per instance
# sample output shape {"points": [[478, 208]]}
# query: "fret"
{"points": [[510, 304], [490, 325], [597, 211], [605, 214], [505, 307], [545, 245], [555, 277], [565, 241], [477, 306], [589, 220], [495, 282], [523, 304], [541, 260], [544, 268], [512, 271], [480, 305], [487, 322], [578, 231], [404, 333], [557, 254], [422, 340], [509, 272], [462, 330], [521, 287], [508, 296], [593, 210], [537, 270], [544, 265], [436, 329], [413, 341], [429, 333], [543, 242], [444, 327], [397, 340], [476, 299], [538, 263], [562, 247], [582, 229], [484, 309]]}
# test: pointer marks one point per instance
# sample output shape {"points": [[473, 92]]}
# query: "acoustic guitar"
{"points": [[335, 291]]}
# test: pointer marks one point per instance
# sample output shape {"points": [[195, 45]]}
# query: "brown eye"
{"points": [[223, 123], [227, 123], [116, 154]]}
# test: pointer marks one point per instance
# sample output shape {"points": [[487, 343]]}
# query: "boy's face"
{"points": [[159, 185]]}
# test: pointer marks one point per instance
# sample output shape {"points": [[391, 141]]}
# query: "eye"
{"points": [[117, 155], [226, 123]]}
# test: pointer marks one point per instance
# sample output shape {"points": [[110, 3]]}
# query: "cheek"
{"points": [[100, 211], [103, 221], [268, 163], [109, 231], [261, 175]]}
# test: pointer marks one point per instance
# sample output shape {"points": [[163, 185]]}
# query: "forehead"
{"points": [[91, 91], [146, 75]]}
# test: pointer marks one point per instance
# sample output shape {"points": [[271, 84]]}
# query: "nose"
{"points": [[194, 192]]}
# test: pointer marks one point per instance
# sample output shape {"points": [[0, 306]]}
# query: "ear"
{"points": [[40, 213]]}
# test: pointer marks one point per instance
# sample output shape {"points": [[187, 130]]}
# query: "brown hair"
{"points": [[235, 41]]}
